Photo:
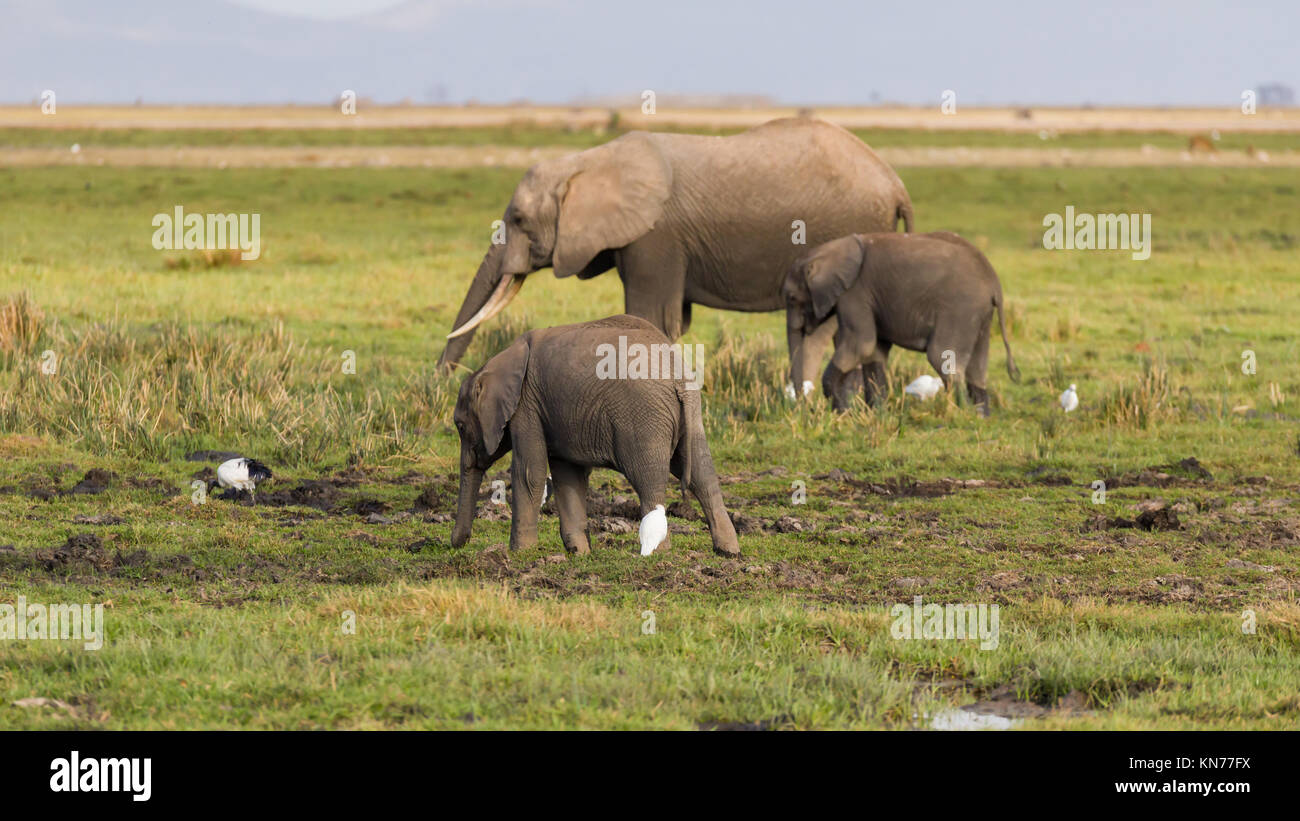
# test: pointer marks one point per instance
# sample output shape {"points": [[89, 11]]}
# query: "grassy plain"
{"points": [[230, 615]]}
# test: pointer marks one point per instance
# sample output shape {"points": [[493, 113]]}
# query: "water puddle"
{"points": [[957, 719]]}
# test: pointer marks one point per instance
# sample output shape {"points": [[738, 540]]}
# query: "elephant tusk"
{"points": [[500, 298]]}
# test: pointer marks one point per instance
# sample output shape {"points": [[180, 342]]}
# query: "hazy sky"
{"points": [[796, 51], [320, 9]]}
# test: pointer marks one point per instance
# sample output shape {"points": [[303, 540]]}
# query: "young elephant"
{"points": [[925, 292], [548, 398]]}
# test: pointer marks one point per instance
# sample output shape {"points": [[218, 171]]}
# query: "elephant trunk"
{"points": [[467, 505], [484, 285]]}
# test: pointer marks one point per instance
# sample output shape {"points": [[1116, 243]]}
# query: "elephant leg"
{"points": [[949, 355], [650, 484], [648, 475], [977, 369], [842, 384], [704, 487], [653, 271], [875, 382], [843, 377], [570, 482], [528, 480]]}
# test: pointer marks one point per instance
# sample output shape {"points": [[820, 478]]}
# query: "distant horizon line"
{"points": [[634, 105]]}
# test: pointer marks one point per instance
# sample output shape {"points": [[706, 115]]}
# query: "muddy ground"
{"points": [[865, 540]]}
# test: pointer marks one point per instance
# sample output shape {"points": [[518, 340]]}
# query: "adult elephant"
{"points": [[688, 219]]}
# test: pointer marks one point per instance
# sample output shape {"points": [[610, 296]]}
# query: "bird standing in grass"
{"points": [[242, 474], [654, 529], [1069, 399], [924, 387]]}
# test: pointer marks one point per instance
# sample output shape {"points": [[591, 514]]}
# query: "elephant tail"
{"points": [[904, 213], [1012, 370], [691, 420]]}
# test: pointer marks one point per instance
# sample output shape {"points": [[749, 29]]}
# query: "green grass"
{"points": [[228, 615], [529, 135]]}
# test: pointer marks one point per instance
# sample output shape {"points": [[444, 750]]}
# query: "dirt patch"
{"points": [[683, 509], [618, 505], [1161, 518], [1184, 473], [1051, 477], [1001, 582], [82, 552], [95, 481], [1241, 564], [432, 498], [320, 494], [789, 524], [365, 506], [1169, 589], [419, 546], [614, 524], [98, 519], [747, 525], [907, 488], [556, 576], [155, 484], [904, 486], [910, 583], [1192, 467], [1153, 515], [1003, 702]]}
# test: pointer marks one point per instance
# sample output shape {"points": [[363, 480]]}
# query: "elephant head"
{"points": [[487, 400], [565, 214], [813, 286]]}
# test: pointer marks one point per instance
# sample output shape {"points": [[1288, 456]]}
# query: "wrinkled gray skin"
{"points": [[542, 398], [925, 292], [688, 219]]}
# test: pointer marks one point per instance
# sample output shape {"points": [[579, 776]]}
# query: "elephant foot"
{"points": [[841, 386], [730, 551], [518, 543], [577, 543], [854, 382]]}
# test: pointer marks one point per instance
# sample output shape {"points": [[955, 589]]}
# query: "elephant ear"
{"points": [[833, 268], [616, 197], [497, 391]]}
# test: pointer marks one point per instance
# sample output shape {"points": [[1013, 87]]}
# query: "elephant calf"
{"points": [[925, 292], [551, 398]]}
